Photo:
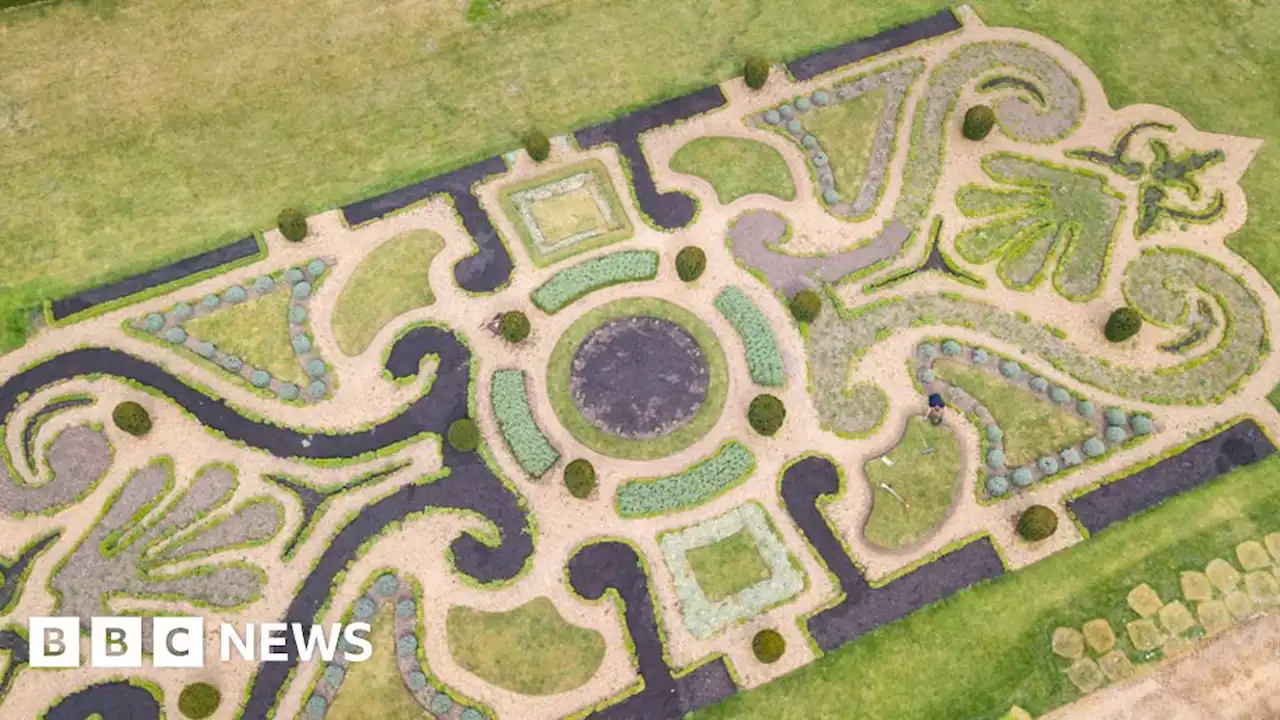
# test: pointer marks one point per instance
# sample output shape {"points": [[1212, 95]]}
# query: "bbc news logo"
{"points": [[178, 642]]}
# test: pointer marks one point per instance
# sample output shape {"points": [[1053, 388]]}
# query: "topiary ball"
{"points": [[1060, 396], [1039, 384], [301, 343], [204, 349], [830, 196], [463, 435], [772, 117], [515, 326], [997, 485], [1116, 435], [786, 111], [980, 356], [994, 433], [210, 302], [317, 389], [1116, 417], [1093, 447], [235, 294], [951, 348], [795, 127], [1010, 369], [1123, 324], [755, 71], [293, 224], [316, 707], [288, 391], [183, 311], [264, 285], [260, 378], [768, 646], [690, 262], [132, 418], [1071, 457], [316, 267], [580, 478], [294, 276], [766, 414], [1022, 477], [297, 315], [1048, 464], [199, 700], [316, 368], [1140, 424], [995, 459], [537, 144], [232, 363], [805, 306], [809, 142], [927, 351], [820, 98], [154, 322], [1037, 523], [302, 290], [927, 376], [804, 104], [978, 121], [1085, 408], [176, 335]]}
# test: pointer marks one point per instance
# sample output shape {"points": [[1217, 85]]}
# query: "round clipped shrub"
{"points": [[1039, 384], [1060, 396], [301, 343], [316, 706], [690, 262], [1037, 523], [294, 276], [316, 368], [997, 485], [260, 378], [980, 356], [297, 315], [1140, 424], [1116, 417], [199, 700], [232, 363], [772, 117], [786, 111], [1010, 369], [417, 680], [1093, 447], [176, 335], [463, 435], [805, 305], [316, 389], [288, 391], [132, 418], [1048, 464], [1071, 457], [951, 348], [1123, 324], [580, 478], [1022, 477], [471, 714], [235, 294], [183, 311], [293, 224], [441, 704], [334, 675], [768, 646], [994, 433], [537, 144], [766, 414], [204, 349], [978, 121], [995, 459], [264, 284], [809, 142], [819, 159], [302, 290], [927, 376], [515, 326], [1116, 435], [1085, 408], [830, 196], [927, 351], [154, 322], [316, 267], [210, 302], [755, 71], [804, 104]]}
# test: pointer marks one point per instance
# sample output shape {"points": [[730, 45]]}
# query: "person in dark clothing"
{"points": [[936, 407]]}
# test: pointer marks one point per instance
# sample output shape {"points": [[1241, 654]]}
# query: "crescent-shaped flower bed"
{"points": [[764, 359], [569, 285], [510, 402], [732, 464]]}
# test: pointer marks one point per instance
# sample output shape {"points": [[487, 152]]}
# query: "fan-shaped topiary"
{"points": [[755, 72], [537, 144], [580, 478], [463, 435], [1123, 324], [995, 459], [1140, 424], [690, 262], [997, 485], [293, 224], [515, 326], [199, 700], [132, 418], [768, 646], [1116, 435], [951, 348], [766, 414], [1048, 464], [806, 305], [1093, 447], [978, 121], [1037, 523], [1022, 477]]}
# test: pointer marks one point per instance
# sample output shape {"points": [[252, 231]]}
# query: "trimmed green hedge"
{"points": [[580, 478], [571, 284], [515, 420], [732, 464], [764, 359], [132, 418], [199, 700], [463, 435]]}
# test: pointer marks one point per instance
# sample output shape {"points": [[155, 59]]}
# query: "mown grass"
{"points": [[390, 281], [846, 131], [257, 332], [925, 482], [374, 688], [736, 167], [728, 566], [985, 649]]}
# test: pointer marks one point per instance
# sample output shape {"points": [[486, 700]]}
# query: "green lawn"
{"points": [[728, 567], [985, 649], [257, 332], [127, 144], [736, 167], [374, 688], [926, 482], [846, 131], [390, 281], [1033, 426], [531, 649]]}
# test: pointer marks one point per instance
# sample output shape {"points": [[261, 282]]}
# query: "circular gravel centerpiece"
{"points": [[637, 379]]}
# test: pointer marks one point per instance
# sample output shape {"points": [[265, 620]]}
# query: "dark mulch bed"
{"points": [[1242, 444], [818, 63], [112, 700], [672, 210], [312, 499], [13, 574], [239, 250], [19, 655]]}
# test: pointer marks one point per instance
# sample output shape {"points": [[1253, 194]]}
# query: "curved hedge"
{"points": [[764, 358], [572, 283], [510, 403], [731, 465]]}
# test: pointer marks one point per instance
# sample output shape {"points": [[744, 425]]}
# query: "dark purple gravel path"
{"points": [[818, 63]]}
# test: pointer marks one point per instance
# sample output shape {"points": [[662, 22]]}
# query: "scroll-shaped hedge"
{"points": [[731, 465], [570, 284], [511, 406], [764, 359]]}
